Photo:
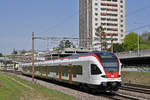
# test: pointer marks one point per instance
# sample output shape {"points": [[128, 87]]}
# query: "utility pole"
{"points": [[138, 38], [33, 57]]}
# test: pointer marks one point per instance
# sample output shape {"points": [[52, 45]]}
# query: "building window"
{"points": [[96, 19], [109, 4], [103, 19], [114, 0], [121, 35], [96, 9], [121, 11], [103, 24], [96, 24], [111, 19], [112, 29], [96, 4], [111, 24], [96, 14]]}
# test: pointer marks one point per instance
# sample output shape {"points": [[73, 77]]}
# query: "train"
{"points": [[98, 71]]}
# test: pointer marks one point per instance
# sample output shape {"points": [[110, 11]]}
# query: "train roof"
{"points": [[94, 52], [77, 55]]}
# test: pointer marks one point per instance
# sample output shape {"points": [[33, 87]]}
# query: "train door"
{"points": [[86, 71]]}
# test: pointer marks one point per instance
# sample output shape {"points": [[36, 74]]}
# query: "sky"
{"points": [[53, 18]]}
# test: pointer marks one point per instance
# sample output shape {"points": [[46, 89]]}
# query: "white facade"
{"points": [[110, 14]]}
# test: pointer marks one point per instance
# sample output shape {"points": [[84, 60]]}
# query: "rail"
{"points": [[136, 88]]}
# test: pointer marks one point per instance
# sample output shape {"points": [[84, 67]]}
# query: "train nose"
{"points": [[113, 84], [104, 84]]}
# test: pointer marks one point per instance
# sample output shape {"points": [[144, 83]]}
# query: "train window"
{"points": [[109, 62], [66, 74], [63, 74], [95, 70], [77, 69], [74, 75]]}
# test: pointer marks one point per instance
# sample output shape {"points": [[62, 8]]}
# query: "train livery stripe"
{"points": [[47, 72], [119, 63], [47, 75], [59, 69], [99, 62], [70, 75]]}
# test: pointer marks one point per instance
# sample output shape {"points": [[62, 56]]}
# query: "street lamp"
{"points": [[138, 39]]}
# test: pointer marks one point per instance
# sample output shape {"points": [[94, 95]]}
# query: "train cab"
{"points": [[105, 71]]}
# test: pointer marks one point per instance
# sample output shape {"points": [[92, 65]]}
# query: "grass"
{"points": [[14, 88], [142, 78]]}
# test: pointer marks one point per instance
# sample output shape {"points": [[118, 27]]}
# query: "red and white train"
{"points": [[100, 71]]}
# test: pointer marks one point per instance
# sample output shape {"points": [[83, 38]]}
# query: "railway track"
{"points": [[12, 71], [111, 96], [120, 96], [139, 91], [136, 88]]}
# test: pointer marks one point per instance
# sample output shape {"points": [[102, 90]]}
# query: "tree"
{"points": [[1, 54], [130, 41], [101, 38], [68, 44], [61, 45], [118, 47], [145, 36], [64, 44], [23, 51], [145, 40], [14, 52], [149, 37]]}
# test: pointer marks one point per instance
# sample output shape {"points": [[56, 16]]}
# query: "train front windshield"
{"points": [[109, 62]]}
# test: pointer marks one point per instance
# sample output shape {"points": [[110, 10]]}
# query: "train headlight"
{"points": [[104, 76], [119, 76]]}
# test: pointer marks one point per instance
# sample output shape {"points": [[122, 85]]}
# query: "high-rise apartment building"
{"points": [[110, 14]]}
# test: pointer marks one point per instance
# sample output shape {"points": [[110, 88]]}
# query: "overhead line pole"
{"points": [[138, 38], [33, 57]]}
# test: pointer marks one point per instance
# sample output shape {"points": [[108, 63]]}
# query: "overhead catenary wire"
{"points": [[138, 28], [59, 24], [137, 11], [134, 12]]}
